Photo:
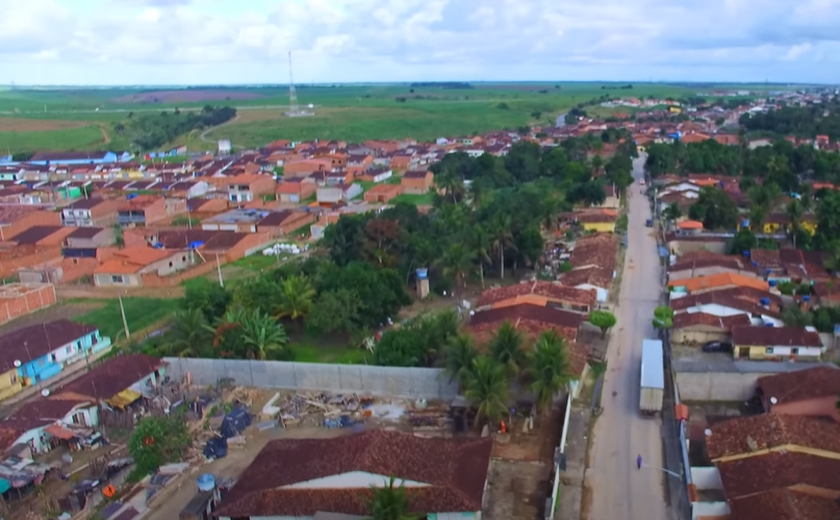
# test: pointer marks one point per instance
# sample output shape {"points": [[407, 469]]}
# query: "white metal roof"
{"points": [[653, 370]]}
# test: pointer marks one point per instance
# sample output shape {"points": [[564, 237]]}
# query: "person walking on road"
{"points": [[639, 462]]}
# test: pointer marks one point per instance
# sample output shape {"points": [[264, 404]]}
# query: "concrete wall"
{"points": [[726, 380], [429, 383], [706, 478]]}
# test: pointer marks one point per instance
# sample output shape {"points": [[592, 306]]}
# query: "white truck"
{"points": [[653, 377]]}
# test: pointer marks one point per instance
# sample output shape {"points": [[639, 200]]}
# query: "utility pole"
{"points": [[125, 322], [219, 270]]}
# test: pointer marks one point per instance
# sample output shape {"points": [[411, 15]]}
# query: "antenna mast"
{"points": [[293, 102]]}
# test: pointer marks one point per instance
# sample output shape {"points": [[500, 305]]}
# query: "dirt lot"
{"points": [[61, 311], [520, 471], [14, 124], [185, 96]]}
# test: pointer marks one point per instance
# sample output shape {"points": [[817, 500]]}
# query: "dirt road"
{"points": [[620, 490]]}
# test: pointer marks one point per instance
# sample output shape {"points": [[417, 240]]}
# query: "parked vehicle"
{"points": [[649, 222], [717, 346], [652, 389]]}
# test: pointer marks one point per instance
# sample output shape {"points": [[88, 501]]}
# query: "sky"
{"points": [[193, 42]]}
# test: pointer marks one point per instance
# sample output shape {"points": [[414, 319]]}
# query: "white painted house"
{"points": [[297, 479]]}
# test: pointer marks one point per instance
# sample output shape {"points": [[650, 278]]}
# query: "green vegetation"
{"points": [[69, 139], [157, 441], [663, 317], [808, 121], [140, 313], [604, 320], [152, 131]]}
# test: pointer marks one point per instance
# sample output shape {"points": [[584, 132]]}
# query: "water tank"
{"points": [[746, 253], [773, 283], [422, 273], [206, 482], [806, 298], [765, 301]]}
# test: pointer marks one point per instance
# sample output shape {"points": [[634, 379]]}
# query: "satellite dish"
{"points": [[773, 400], [17, 363], [708, 432], [45, 392]]}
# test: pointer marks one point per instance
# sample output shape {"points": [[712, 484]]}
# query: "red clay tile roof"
{"points": [[455, 469], [783, 504], [766, 258], [801, 385], [693, 319], [37, 340], [11, 429], [769, 431], [596, 276], [720, 280], [729, 262], [744, 477], [53, 409], [595, 250], [725, 298], [776, 336], [415, 174], [110, 378], [527, 318], [550, 290]]}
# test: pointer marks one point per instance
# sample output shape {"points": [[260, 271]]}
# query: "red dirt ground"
{"points": [[185, 96]]}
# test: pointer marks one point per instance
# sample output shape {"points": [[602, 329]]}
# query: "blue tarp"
{"points": [[216, 448], [663, 251], [235, 422]]}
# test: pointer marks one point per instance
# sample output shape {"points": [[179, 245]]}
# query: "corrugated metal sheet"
{"points": [[79, 252]]}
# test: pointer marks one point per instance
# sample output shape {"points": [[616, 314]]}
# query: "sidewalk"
{"points": [[571, 494]]}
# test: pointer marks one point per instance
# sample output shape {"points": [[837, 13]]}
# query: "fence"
{"points": [[427, 383]]}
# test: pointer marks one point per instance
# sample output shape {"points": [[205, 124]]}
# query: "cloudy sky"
{"points": [[168, 42]]}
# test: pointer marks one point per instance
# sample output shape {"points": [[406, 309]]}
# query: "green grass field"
{"points": [[140, 313], [348, 112]]}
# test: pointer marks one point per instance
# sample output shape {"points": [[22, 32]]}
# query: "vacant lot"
{"points": [[80, 138], [15, 124], [62, 311], [140, 314], [186, 96]]}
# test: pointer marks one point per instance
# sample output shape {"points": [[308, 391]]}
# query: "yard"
{"points": [[140, 314]]}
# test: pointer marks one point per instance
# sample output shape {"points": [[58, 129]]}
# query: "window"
{"points": [[170, 264], [183, 258], [794, 351], [768, 350], [68, 349], [116, 279]]}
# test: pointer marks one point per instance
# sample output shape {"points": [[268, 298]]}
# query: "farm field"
{"points": [[349, 112]]}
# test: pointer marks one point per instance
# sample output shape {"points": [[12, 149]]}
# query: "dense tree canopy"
{"points": [[805, 121]]}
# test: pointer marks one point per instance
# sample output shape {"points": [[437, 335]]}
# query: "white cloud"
{"points": [[222, 41]]}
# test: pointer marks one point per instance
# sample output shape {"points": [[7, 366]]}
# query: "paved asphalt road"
{"points": [[620, 490]]}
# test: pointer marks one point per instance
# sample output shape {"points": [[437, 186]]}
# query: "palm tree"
{"points": [[262, 335], [460, 354], [506, 348], [487, 387], [502, 238], [391, 502], [794, 215], [295, 298], [451, 183], [597, 163], [189, 335], [480, 244], [457, 262], [550, 369]]}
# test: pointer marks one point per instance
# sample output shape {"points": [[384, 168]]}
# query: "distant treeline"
{"points": [[442, 84], [151, 131], [807, 121]]}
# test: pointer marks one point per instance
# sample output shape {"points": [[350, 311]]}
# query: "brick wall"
{"points": [[11, 308]]}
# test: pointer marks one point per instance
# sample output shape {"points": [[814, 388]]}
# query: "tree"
{"points": [[715, 209], [502, 238], [263, 336], [794, 215], [744, 240], [157, 441], [208, 297], [391, 502], [550, 370], [506, 348], [590, 193], [604, 320], [459, 356], [488, 388], [480, 244], [672, 212], [663, 317], [295, 298], [457, 262], [189, 335], [334, 311]]}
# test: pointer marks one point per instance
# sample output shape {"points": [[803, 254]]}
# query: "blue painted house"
{"points": [[40, 352]]}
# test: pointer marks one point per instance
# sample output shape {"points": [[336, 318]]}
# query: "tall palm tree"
{"points": [[597, 163], [488, 389], [480, 244], [550, 369], [502, 238], [189, 335], [506, 348], [391, 502], [794, 215], [295, 298], [457, 262], [460, 354], [263, 335]]}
